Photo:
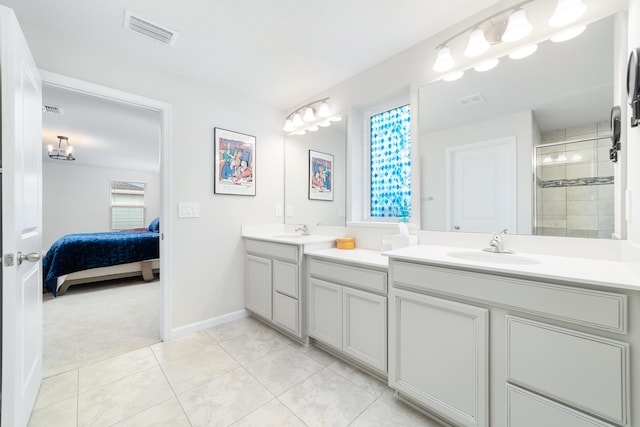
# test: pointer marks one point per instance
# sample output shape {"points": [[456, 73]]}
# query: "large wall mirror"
{"points": [[523, 146], [315, 194]]}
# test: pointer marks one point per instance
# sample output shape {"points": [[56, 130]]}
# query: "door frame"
{"points": [[166, 195]]}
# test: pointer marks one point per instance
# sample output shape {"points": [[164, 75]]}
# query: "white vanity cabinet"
{"points": [[273, 284], [347, 311], [478, 349]]}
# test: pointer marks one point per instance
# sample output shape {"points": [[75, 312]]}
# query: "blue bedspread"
{"points": [[77, 252]]}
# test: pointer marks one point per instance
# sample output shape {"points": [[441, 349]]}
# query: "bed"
{"points": [[91, 257]]}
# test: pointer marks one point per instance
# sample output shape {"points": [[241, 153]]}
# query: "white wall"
{"points": [[632, 145], [75, 199], [433, 148], [207, 263]]}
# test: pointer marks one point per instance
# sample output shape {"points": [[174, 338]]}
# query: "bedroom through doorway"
{"points": [[112, 189]]}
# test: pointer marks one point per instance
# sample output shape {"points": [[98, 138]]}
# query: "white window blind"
{"points": [[127, 205]]}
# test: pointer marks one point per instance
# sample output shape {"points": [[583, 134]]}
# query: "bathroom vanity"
{"points": [[525, 341]]}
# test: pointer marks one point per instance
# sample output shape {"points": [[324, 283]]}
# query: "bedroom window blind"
{"points": [[127, 205]]}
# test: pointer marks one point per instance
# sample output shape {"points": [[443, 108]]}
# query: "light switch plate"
{"points": [[188, 210]]}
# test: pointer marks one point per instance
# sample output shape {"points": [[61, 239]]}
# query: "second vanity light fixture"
{"points": [[508, 26], [309, 117]]}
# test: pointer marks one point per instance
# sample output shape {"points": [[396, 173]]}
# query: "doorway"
{"points": [[163, 111]]}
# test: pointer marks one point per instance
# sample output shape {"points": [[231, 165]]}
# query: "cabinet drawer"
{"points": [[587, 307], [526, 409], [363, 278], [285, 278], [272, 250], [285, 312], [582, 370]]}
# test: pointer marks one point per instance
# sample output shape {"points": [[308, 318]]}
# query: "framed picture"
{"points": [[320, 176], [235, 163]]}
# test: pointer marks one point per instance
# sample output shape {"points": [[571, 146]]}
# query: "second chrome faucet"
{"points": [[496, 244]]}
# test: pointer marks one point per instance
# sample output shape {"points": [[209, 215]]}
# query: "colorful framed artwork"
{"points": [[235, 163], [320, 176]]}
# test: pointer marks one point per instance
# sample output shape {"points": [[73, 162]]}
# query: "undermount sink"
{"points": [[493, 257]]}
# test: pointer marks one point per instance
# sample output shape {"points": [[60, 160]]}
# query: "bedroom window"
{"points": [[127, 205], [389, 134]]}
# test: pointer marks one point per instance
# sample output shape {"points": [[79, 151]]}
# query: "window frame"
{"points": [[378, 109], [111, 204]]}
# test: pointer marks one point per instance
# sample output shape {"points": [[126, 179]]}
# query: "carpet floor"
{"points": [[94, 322]]}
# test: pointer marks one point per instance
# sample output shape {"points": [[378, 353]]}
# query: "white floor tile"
{"points": [[182, 347], [273, 414], [57, 388], [326, 399], [60, 414], [359, 378], [224, 400], [116, 368], [166, 414]]}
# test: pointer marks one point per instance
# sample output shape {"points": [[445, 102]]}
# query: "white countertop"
{"points": [[365, 257], [611, 274], [291, 238]]}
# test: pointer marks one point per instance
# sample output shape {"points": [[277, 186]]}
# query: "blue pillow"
{"points": [[155, 225]]}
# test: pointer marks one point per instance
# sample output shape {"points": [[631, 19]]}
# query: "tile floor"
{"points": [[241, 373]]}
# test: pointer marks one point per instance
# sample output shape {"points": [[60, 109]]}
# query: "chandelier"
{"points": [[61, 153]]}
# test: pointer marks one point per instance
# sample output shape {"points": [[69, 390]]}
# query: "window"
{"points": [[390, 163], [127, 205]]}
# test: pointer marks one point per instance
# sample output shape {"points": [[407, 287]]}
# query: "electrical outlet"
{"points": [[188, 210], [289, 210], [278, 209]]}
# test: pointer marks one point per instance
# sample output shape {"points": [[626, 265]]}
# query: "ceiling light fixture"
{"points": [[478, 44], [453, 76], [565, 35], [518, 27], [309, 117], [487, 65], [508, 25], [523, 52], [444, 61], [61, 153], [567, 11]]}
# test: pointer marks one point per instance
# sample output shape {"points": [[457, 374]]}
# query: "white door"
{"points": [[482, 186], [21, 224]]}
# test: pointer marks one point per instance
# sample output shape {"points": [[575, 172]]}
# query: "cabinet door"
{"points": [[285, 278], [285, 312], [325, 312], [257, 285], [438, 355], [364, 327]]}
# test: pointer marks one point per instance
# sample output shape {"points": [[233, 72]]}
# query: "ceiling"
{"points": [[279, 51], [103, 133]]}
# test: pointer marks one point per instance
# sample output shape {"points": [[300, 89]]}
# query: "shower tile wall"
{"points": [[574, 194]]}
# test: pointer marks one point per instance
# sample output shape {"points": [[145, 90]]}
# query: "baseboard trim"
{"points": [[206, 324]]}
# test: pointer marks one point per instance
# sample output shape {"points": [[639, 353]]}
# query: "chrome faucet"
{"points": [[304, 229], [497, 243]]}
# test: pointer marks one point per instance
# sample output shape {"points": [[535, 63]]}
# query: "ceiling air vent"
{"points": [[157, 32], [471, 99], [51, 109]]}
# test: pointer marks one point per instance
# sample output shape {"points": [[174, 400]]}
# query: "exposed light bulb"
{"points": [[547, 159], [518, 27], [523, 52], [567, 11], [444, 61], [562, 158], [478, 44], [563, 36], [453, 76], [576, 157], [50, 148], [288, 126], [487, 65], [309, 115], [297, 120], [323, 110], [69, 150]]}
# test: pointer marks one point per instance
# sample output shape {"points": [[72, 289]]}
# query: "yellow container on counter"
{"points": [[346, 243]]}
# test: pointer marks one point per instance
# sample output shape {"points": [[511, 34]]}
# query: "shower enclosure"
{"points": [[574, 181]]}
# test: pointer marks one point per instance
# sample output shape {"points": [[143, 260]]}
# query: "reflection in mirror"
{"points": [[481, 137], [301, 206]]}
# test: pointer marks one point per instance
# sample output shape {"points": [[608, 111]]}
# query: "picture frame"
{"points": [[320, 176], [235, 163]]}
